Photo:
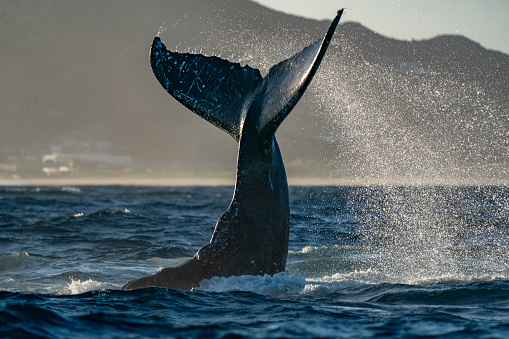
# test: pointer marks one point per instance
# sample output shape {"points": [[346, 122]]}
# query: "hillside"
{"points": [[77, 70]]}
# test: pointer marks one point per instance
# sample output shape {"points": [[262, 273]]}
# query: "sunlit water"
{"points": [[363, 261]]}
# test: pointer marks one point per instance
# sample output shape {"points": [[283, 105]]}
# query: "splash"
{"points": [[408, 235], [393, 118], [438, 232], [161, 29], [276, 285], [78, 286], [386, 111]]}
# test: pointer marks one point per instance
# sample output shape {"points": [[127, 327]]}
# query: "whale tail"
{"points": [[252, 236], [219, 91]]}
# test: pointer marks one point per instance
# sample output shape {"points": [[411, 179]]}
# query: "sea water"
{"points": [[397, 261]]}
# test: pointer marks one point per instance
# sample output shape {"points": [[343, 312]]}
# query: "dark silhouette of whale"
{"points": [[251, 237]]}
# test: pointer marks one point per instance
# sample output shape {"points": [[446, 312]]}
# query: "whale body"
{"points": [[251, 237]]}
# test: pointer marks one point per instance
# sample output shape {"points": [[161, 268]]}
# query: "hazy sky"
{"points": [[484, 21]]}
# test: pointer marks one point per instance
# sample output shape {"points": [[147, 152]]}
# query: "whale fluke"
{"points": [[251, 237], [213, 88]]}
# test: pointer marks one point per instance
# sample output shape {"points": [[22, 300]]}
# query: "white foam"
{"points": [[367, 276], [281, 284], [276, 285], [453, 278], [371, 276], [78, 286], [308, 249], [285, 284], [71, 189]]}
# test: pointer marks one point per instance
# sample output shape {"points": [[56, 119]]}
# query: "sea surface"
{"points": [[394, 261]]}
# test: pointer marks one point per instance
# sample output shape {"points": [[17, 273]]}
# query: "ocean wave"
{"points": [[10, 262], [286, 284], [276, 285], [374, 277], [112, 212], [457, 278], [79, 287], [171, 262], [280, 285], [71, 189]]}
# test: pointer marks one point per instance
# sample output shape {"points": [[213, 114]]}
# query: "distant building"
{"points": [[67, 156], [66, 162]]}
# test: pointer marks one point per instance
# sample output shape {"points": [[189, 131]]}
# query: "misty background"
{"points": [[75, 79]]}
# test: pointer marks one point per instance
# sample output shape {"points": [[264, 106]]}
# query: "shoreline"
{"points": [[224, 181]]}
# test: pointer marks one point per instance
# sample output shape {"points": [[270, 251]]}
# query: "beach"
{"points": [[230, 181]]}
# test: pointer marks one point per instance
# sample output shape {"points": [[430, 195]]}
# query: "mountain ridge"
{"points": [[80, 71]]}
